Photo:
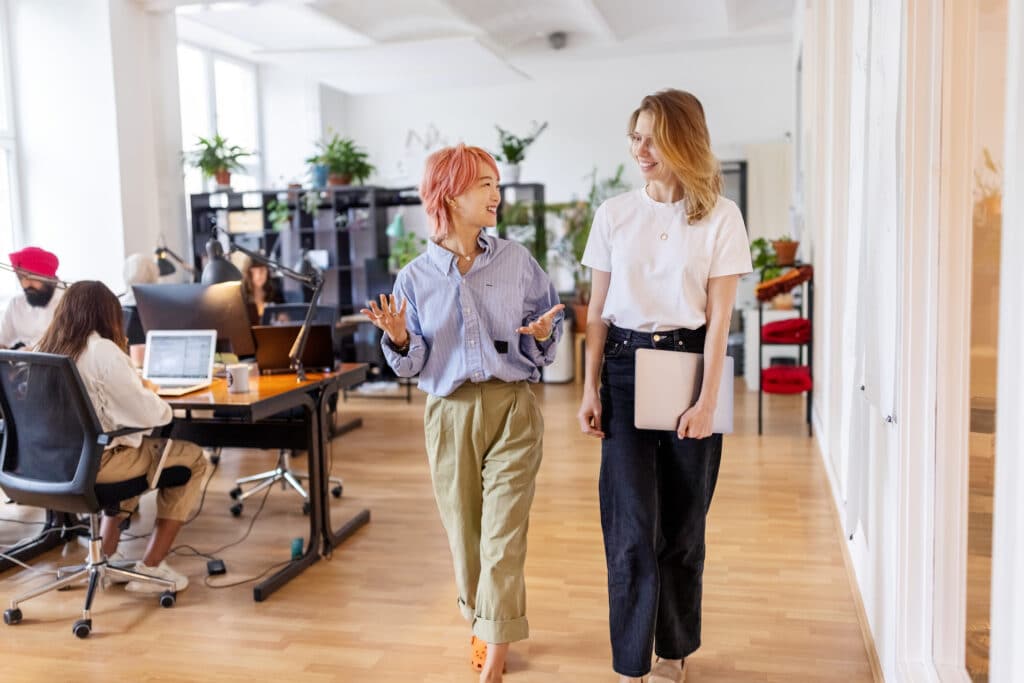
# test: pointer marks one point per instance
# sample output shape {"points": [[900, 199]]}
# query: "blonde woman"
{"points": [[476, 318], [665, 260]]}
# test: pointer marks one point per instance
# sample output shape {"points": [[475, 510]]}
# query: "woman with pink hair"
{"points": [[476, 318]]}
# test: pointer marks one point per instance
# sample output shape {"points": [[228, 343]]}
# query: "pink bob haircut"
{"points": [[450, 172]]}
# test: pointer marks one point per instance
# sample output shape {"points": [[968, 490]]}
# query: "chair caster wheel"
{"points": [[336, 491], [168, 598], [82, 628], [235, 493], [306, 508], [12, 617], [236, 510]]}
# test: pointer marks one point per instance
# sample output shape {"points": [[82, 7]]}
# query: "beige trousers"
{"points": [[121, 463], [484, 446]]}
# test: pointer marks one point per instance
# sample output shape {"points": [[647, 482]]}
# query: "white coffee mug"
{"points": [[238, 378]]}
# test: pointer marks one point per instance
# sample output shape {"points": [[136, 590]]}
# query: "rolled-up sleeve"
{"points": [[410, 363], [540, 297]]}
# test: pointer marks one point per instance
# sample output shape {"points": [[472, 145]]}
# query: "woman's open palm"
{"points": [[389, 316]]}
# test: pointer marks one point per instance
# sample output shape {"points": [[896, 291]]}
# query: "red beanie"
{"points": [[35, 260]]}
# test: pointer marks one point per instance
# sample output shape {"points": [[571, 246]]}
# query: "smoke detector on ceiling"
{"points": [[558, 39]]}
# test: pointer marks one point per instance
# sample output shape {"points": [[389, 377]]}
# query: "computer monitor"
{"points": [[218, 307]]}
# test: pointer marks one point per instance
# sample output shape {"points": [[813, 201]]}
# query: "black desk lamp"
{"points": [[165, 260], [219, 269]]}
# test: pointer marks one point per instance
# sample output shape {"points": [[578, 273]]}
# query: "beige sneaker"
{"points": [[161, 571], [668, 671]]}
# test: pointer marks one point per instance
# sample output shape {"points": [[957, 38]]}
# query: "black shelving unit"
{"points": [[805, 356], [532, 195]]}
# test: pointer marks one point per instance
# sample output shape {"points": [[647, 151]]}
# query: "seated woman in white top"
{"points": [[88, 327]]}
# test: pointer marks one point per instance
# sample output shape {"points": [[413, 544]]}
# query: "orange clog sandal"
{"points": [[478, 655]]}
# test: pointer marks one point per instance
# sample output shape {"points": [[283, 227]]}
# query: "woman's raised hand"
{"points": [[390, 317], [541, 327]]}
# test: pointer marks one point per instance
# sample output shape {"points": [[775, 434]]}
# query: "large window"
{"points": [[9, 217], [219, 95]]}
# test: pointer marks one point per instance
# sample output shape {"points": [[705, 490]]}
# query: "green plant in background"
{"points": [[577, 219], [513, 147], [343, 159], [514, 214], [311, 202], [764, 257], [404, 249], [215, 156], [278, 214]]}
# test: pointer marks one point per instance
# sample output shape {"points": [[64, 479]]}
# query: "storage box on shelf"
{"points": [[790, 331]]}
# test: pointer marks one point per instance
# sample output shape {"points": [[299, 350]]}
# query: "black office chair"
{"points": [[51, 443], [286, 314]]}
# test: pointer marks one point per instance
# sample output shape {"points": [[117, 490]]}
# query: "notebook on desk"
{"points": [[179, 361], [669, 382], [273, 342]]}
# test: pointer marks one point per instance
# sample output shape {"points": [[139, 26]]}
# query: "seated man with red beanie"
{"points": [[28, 316]]}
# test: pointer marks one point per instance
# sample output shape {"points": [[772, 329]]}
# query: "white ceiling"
{"points": [[367, 46]]}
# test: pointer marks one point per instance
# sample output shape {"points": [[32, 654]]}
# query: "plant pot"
{"points": [[785, 252], [223, 178], [579, 318], [337, 179], [319, 175], [509, 173]]}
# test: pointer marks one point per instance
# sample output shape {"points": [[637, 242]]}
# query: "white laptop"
{"points": [[179, 361], [669, 382]]}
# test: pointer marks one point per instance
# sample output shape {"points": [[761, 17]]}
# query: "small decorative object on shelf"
{"points": [[785, 250], [798, 331], [216, 159], [513, 151]]}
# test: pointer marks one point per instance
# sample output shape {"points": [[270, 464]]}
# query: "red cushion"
{"points": [[785, 379], [788, 331]]}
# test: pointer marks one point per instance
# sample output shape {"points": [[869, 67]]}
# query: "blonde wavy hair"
{"points": [[682, 140]]}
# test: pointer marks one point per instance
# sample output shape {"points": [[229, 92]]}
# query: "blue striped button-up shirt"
{"points": [[464, 328]]}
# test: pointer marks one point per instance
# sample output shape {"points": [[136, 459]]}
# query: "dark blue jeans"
{"points": [[655, 491]]}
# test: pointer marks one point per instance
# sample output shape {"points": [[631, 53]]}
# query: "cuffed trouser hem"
{"points": [[508, 631], [468, 613], [681, 654]]}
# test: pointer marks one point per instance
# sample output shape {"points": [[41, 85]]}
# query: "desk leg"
{"points": [[47, 539], [264, 589], [332, 539]]}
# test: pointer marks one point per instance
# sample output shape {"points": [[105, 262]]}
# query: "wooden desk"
{"points": [[249, 420]]}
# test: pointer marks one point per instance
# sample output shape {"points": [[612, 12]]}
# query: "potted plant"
{"points": [[404, 249], [344, 161], [763, 257], [217, 159], [278, 214], [577, 219], [785, 250], [513, 151]]}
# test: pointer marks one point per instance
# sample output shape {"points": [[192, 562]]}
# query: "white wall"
{"points": [[747, 94], [95, 90], [290, 109], [67, 132]]}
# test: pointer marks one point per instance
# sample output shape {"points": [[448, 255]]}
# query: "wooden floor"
{"points": [[777, 599]]}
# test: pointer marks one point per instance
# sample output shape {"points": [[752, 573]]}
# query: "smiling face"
{"points": [[477, 207], [641, 146]]}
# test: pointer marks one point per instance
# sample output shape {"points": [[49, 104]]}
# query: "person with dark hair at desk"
{"points": [[476, 318], [28, 316], [89, 328], [259, 290]]}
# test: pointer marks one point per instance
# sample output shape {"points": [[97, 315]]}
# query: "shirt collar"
{"points": [[445, 260]]}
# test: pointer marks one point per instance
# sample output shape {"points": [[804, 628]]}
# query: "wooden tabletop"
{"points": [[266, 387]]}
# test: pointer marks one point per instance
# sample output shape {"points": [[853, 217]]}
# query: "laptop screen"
{"points": [[179, 356]]}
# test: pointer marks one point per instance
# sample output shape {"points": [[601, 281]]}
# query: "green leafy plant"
{"points": [[513, 147], [311, 202], [344, 158], [783, 238], [404, 249], [278, 214], [763, 255], [577, 219], [214, 155]]}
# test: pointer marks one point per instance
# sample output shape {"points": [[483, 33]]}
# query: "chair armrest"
{"points": [[107, 437]]}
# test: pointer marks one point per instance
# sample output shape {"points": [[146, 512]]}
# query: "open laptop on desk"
{"points": [[179, 361], [273, 342]]}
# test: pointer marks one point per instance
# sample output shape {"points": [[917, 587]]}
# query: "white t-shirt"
{"points": [[660, 264], [25, 323], [117, 393]]}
